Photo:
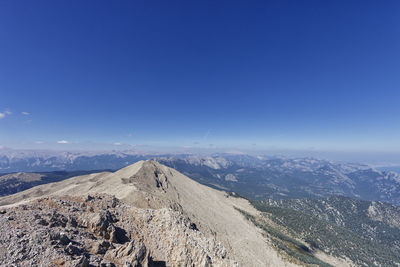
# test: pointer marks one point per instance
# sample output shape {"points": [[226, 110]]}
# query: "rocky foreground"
{"points": [[100, 230]]}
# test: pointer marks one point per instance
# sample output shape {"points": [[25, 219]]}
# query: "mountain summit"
{"points": [[145, 213]]}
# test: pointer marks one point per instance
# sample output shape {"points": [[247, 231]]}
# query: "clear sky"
{"points": [[256, 74]]}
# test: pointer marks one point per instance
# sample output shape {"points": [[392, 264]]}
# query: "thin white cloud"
{"points": [[39, 142], [4, 113], [117, 144], [25, 113], [62, 142]]}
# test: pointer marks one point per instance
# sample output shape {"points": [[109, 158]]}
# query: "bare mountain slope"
{"points": [[12, 183], [150, 186]]}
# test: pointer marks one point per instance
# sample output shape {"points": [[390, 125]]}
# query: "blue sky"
{"points": [[241, 74]]}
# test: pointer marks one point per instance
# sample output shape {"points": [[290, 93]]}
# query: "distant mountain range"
{"points": [[45, 161], [259, 177], [255, 177]]}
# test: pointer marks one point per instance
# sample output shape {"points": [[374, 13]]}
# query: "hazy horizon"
{"points": [[373, 158]]}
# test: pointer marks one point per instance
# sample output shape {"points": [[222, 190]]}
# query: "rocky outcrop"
{"points": [[99, 230], [149, 175]]}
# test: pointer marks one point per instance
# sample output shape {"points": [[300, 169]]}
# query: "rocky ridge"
{"points": [[100, 230]]}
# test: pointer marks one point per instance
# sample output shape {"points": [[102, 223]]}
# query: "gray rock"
{"points": [[73, 250], [83, 262]]}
